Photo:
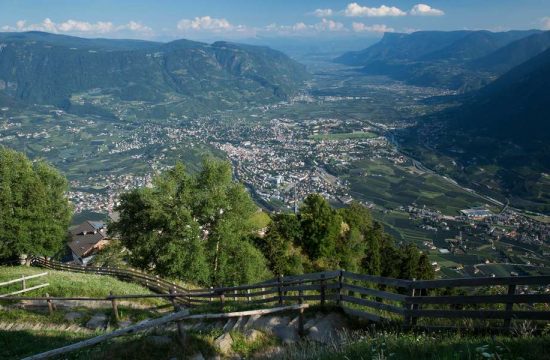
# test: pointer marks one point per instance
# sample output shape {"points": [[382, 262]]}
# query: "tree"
{"points": [[192, 227], [282, 256], [321, 226], [34, 210], [157, 226]]}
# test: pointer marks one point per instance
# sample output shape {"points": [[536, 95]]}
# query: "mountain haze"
{"points": [[460, 60]]}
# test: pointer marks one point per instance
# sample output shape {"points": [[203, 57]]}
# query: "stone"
{"points": [[98, 321], [267, 323], [251, 321], [326, 330], [252, 335], [224, 343], [72, 316], [286, 334]]}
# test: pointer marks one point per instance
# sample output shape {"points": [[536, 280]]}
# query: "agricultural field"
{"points": [[391, 186]]}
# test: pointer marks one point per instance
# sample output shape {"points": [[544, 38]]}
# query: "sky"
{"points": [[165, 20]]}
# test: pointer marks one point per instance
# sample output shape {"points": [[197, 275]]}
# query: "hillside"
{"points": [[44, 68], [500, 134], [447, 59]]}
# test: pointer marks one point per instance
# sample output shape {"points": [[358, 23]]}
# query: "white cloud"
{"points": [[101, 27], [80, 27], [425, 10], [356, 10], [301, 28], [205, 23], [376, 28], [329, 25], [323, 12], [545, 23]]}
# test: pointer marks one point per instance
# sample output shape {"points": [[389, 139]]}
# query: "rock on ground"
{"points": [[224, 343], [326, 329], [287, 334], [72, 316], [98, 321]]}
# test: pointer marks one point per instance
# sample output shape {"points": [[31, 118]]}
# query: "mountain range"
{"points": [[44, 68], [459, 60], [500, 134]]}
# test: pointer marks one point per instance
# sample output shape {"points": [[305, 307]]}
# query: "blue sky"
{"points": [[245, 19]]}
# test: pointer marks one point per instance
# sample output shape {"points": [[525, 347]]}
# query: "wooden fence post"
{"points": [[301, 331], [509, 308], [182, 336], [280, 288], [211, 299], [23, 282], [235, 295], [323, 292], [50, 304], [409, 306], [115, 306], [248, 297], [340, 286], [222, 300]]}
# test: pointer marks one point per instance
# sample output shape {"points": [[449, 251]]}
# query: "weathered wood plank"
{"points": [[8, 296], [376, 279], [26, 277], [481, 299], [486, 281], [481, 314], [363, 314], [373, 304], [373, 292]]}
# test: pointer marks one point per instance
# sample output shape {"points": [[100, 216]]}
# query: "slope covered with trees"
{"points": [[45, 68], [500, 135], [461, 60]]}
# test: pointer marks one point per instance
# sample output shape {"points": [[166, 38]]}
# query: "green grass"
{"points": [[18, 344], [66, 284], [433, 346]]}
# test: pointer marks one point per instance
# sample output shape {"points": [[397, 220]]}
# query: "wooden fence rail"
{"points": [[374, 298], [24, 288]]}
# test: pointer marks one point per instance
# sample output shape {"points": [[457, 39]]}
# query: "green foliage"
{"points": [[34, 212], [321, 227], [67, 284], [322, 238], [195, 228]]}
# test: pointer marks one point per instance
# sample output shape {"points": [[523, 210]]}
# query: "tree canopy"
{"points": [[203, 228], [192, 227], [34, 210], [320, 237]]}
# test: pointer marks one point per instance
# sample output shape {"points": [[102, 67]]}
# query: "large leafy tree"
{"points": [[321, 227], [192, 227], [347, 238], [34, 210]]}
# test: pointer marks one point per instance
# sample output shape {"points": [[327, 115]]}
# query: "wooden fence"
{"points": [[426, 303], [23, 280]]}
